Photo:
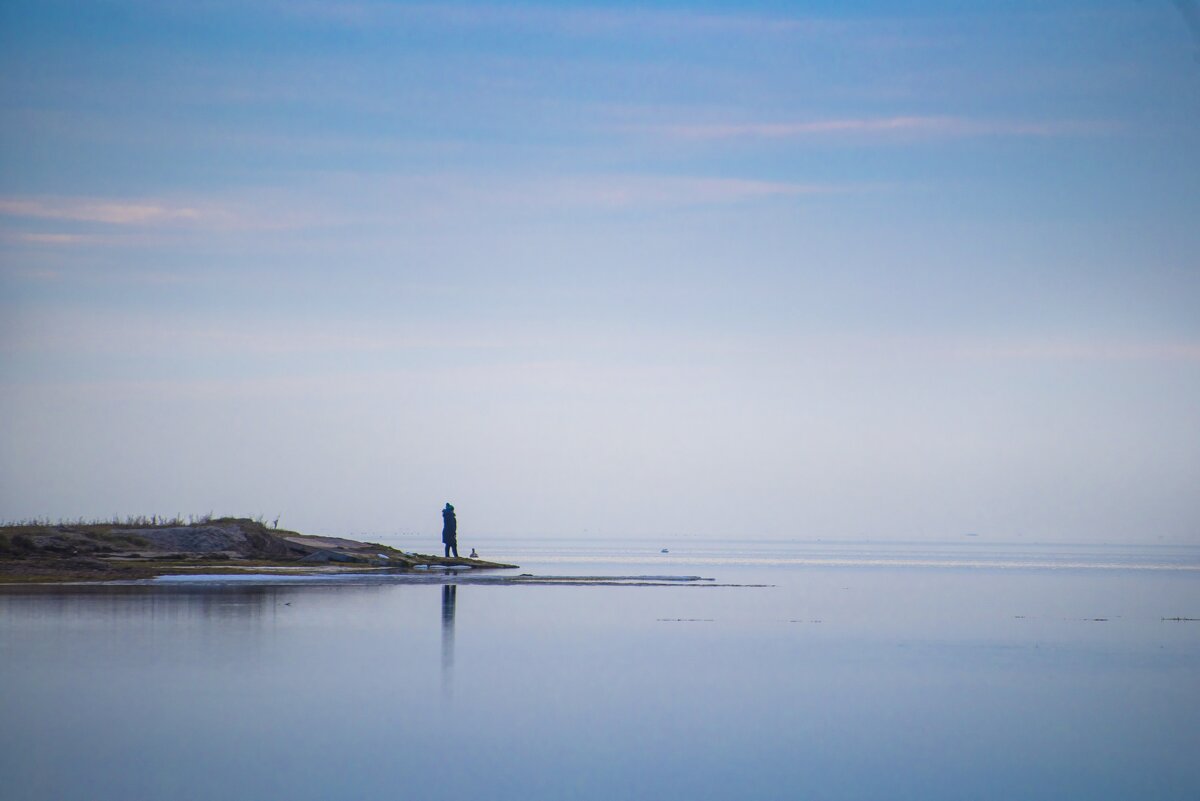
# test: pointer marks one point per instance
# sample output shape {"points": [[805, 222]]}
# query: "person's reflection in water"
{"points": [[448, 598]]}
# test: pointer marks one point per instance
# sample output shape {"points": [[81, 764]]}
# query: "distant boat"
{"points": [[664, 550]]}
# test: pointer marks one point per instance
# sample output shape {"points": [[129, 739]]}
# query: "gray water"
{"points": [[860, 672]]}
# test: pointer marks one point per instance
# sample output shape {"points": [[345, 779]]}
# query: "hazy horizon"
{"points": [[867, 271]]}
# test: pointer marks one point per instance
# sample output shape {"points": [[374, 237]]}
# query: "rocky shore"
{"points": [[112, 551]]}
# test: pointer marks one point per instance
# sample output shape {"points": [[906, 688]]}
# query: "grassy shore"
{"points": [[139, 548]]}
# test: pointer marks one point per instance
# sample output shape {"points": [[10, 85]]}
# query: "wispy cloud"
{"points": [[908, 126], [46, 238], [39, 274], [642, 191], [1055, 351], [94, 210], [82, 220], [582, 21], [56, 331]]}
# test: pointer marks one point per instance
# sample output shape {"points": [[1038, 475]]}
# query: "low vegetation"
{"points": [[142, 547]]}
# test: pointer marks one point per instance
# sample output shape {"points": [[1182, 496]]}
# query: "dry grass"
{"points": [[131, 521]]}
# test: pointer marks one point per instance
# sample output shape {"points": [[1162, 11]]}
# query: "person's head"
{"points": [[449, 508]]}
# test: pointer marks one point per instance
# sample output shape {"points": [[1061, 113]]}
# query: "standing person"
{"points": [[450, 530]]}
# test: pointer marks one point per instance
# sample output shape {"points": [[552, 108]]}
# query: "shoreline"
{"points": [[102, 552]]}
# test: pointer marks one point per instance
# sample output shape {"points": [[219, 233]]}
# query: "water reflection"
{"points": [[334, 689], [449, 593], [121, 602]]}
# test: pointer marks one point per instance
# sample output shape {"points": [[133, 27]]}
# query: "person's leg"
{"points": [[455, 546], [447, 550]]}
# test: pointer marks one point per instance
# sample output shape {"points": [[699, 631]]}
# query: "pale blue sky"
{"points": [[856, 270]]}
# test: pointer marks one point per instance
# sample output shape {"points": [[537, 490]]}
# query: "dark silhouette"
{"points": [[450, 530], [449, 591]]}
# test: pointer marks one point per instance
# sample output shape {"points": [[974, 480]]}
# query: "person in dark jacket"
{"points": [[450, 530]]}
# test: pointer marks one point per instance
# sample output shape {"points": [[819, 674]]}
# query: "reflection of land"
{"points": [[450, 577], [217, 602], [380, 579], [255, 596], [527, 579]]}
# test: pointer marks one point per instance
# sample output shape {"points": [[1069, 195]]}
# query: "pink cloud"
{"points": [[108, 212], [48, 238]]}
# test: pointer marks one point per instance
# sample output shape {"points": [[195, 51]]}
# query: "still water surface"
{"points": [[865, 672]]}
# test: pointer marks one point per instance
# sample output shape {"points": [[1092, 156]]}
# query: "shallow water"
{"points": [[862, 671]]}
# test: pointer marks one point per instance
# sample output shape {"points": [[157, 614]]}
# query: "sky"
{"points": [[858, 270]]}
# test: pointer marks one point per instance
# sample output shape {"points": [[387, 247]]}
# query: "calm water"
{"points": [[863, 672]]}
